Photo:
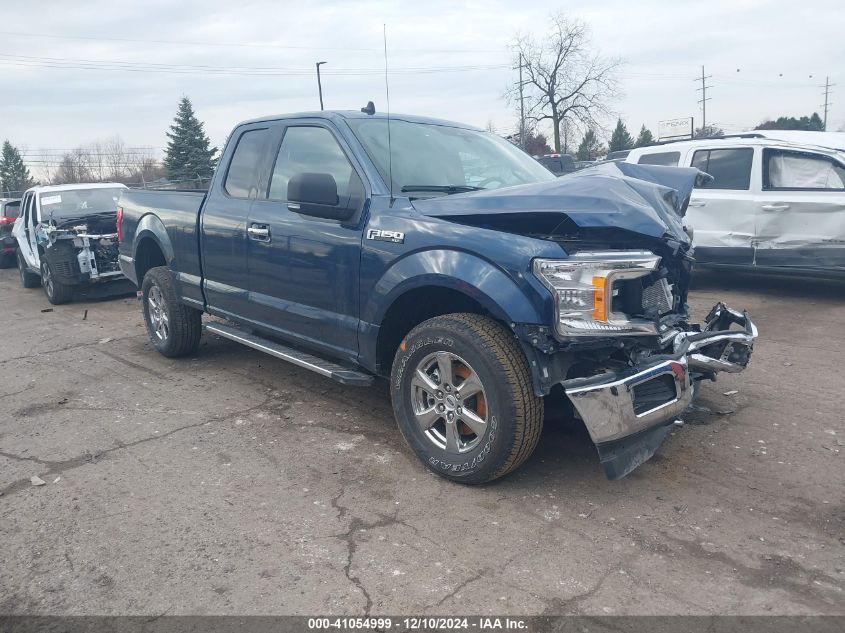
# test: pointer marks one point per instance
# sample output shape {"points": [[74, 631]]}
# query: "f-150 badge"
{"points": [[382, 235]]}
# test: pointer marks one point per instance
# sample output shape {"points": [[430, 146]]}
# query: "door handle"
{"points": [[697, 203], [259, 232], [775, 207]]}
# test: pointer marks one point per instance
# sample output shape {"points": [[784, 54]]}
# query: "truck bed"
{"points": [[151, 212]]}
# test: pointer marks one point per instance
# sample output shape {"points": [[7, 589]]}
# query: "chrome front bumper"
{"points": [[617, 406]]}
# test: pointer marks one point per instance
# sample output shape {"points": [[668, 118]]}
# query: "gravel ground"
{"points": [[233, 483]]}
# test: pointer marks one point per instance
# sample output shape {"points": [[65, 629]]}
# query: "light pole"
{"points": [[319, 84]]}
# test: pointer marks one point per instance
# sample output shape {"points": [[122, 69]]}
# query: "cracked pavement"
{"points": [[233, 483]]}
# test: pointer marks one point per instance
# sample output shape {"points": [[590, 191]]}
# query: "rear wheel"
{"points": [[8, 260], [174, 328], [463, 398], [28, 279], [57, 292]]}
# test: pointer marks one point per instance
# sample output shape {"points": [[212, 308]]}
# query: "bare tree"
{"points": [[73, 168], [115, 157], [564, 80]]}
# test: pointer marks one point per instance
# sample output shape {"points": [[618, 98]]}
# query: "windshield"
{"points": [[447, 158], [77, 203]]}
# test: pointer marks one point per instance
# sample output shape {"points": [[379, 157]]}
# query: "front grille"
{"points": [[653, 393], [658, 296], [65, 268]]}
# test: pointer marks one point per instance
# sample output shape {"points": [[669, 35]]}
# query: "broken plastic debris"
{"points": [[37, 481], [56, 480], [47, 310], [108, 339], [731, 392]]}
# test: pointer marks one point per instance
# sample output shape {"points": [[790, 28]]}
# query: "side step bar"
{"points": [[318, 365]]}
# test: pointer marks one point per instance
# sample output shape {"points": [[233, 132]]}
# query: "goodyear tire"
{"points": [[174, 328], [463, 398], [57, 292]]}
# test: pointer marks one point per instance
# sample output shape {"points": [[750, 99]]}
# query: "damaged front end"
{"points": [[80, 252], [628, 411], [621, 344]]}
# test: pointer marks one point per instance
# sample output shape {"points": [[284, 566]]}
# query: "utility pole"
{"points": [[522, 107], [827, 86], [704, 98], [320, 84]]}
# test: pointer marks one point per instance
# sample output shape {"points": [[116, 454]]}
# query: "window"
{"points": [[312, 150], [667, 159], [429, 154], [77, 203], [242, 176], [11, 209], [801, 170], [730, 168]]}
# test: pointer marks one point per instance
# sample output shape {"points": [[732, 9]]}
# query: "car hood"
{"points": [[645, 199]]}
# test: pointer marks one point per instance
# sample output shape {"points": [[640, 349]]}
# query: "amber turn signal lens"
{"points": [[600, 299]]}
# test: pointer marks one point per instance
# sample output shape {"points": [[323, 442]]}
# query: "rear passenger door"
{"points": [[801, 220], [722, 212], [304, 270], [223, 223]]}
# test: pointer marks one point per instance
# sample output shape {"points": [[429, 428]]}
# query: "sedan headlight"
{"points": [[583, 290]]}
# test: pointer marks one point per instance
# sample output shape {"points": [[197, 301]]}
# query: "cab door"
{"points": [[24, 231], [801, 210], [722, 212], [304, 270], [223, 224]]}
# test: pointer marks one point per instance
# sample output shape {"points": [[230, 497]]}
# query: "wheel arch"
{"points": [[152, 246], [434, 283]]}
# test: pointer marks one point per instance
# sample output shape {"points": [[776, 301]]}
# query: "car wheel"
{"points": [[28, 279], [57, 292], [174, 328], [463, 398]]}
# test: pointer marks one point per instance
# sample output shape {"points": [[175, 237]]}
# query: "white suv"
{"points": [[772, 203]]}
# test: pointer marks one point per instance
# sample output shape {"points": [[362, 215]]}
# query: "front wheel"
{"points": [[174, 328], [28, 279], [463, 398], [57, 292]]}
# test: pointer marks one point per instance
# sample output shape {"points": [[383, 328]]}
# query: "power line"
{"points": [[704, 98], [827, 86], [245, 44], [99, 64]]}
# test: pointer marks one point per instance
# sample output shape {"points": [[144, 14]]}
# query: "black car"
{"points": [[9, 209]]}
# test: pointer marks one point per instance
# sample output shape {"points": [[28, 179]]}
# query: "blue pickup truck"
{"points": [[441, 258]]}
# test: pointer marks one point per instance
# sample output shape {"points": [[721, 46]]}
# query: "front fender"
{"points": [[508, 297]]}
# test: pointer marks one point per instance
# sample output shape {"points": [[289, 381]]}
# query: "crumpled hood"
{"points": [[646, 199]]}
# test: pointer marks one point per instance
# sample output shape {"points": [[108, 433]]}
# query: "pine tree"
{"points": [[188, 156], [590, 147], [645, 138], [14, 176], [620, 139]]}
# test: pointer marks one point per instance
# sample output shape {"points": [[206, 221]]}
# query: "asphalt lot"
{"points": [[233, 483]]}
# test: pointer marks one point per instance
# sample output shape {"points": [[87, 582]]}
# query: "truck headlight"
{"points": [[583, 290]]}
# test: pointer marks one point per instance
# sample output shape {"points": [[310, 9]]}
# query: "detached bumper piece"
{"points": [[628, 413]]}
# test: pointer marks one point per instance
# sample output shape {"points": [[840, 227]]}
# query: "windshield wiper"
{"points": [[441, 188]]}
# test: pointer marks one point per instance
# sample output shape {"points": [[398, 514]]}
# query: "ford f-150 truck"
{"points": [[446, 260]]}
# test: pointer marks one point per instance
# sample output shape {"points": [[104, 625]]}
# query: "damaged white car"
{"points": [[67, 237], [772, 204]]}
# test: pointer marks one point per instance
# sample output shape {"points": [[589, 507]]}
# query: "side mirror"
{"points": [[316, 195]]}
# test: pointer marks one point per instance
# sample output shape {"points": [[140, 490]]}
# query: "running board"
{"points": [[318, 365]]}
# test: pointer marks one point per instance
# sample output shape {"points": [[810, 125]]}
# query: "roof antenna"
{"points": [[387, 95]]}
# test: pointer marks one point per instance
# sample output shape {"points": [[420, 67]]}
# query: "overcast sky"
{"points": [[449, 59]]}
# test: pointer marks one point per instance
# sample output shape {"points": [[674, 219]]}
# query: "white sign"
{"points": [[674, 128], [45, 200]]}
